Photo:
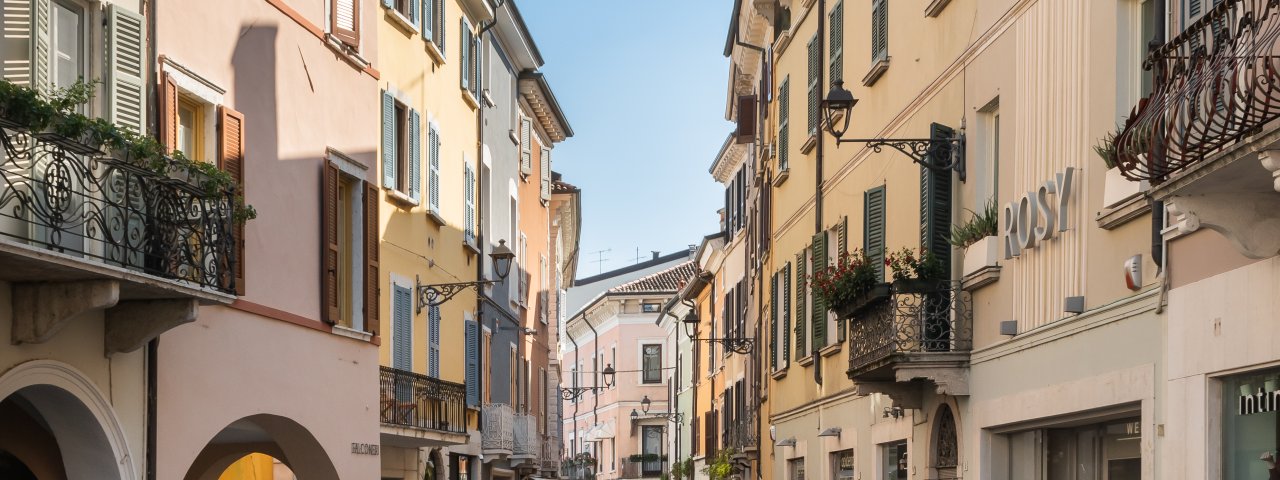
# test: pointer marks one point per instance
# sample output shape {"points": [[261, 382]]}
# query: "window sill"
{"points": [[347, 52], [468, 97], [981, 278], [780, 374], [434, 51], [877, 70], [780, 44], [805, 360], [470, 247], [399, 197], [782, 177], [342, 331], [935, 7], [434, 216], [1133, 208], [809, 143], [400, 21], [830, 350]]}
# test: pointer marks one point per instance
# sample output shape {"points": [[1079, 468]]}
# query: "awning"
{"points": [[1215, 83]]}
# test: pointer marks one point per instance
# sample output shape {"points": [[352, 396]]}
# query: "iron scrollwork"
{"points": [[742, 346], [437, 294], [922, 150], [938, 321]]}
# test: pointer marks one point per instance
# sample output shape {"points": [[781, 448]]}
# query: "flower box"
{"points": [[981, 254], [917, 285], [860, 303], [1117, 189], [83, 144]]}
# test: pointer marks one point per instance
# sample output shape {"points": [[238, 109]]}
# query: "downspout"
{"points": [[817, 190], [595, 409], [577, 358], [1157, 206], [153, 347]]}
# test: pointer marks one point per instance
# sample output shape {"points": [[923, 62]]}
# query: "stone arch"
{"points": [[273, 435], [435, 469], [944, 443], [89, 437]]}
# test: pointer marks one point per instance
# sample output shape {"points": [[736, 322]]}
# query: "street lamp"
{"points": [[945, 152], [434, 295], [608, 374], [735, 345], [645, 403]]}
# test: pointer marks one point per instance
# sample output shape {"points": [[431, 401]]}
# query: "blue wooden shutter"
{"points": [[433, 342], [388, 140], [402, 330], [873, 228], [434, 169], [473, 363], [415, 155], [428, 19]]}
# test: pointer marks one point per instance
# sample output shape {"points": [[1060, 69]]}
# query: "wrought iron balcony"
{"points": [[641, 469], [417, 401], [549, 461], [499, 429], [915, 332], [741, 435], [526, 438], [1214, 84], [106, 218]]}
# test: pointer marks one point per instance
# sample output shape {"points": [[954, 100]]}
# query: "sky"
{"points": [[642, 83]]}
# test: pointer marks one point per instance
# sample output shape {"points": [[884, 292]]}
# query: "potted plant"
{"points": [[73, 132], [849, 286], [720, 467], [977, 237], [1116, 189], [23, 108], [915, 271]]}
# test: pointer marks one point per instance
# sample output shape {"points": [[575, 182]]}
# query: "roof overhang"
{"points": [[515, 37], [542, 101], [731, 156]]}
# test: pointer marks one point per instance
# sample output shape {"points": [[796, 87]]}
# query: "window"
{"points": [[614, 362], [350, 284], [651, 444], [802, 303], [401, 327], [66, 44], [470, 72], [879, 30], [433, 22], [544, 174], [873, 208], [1109, 451], [469, 200], [650, 307], [526, 145], [433, 171], [401, 147], [987, 168], [486, 352], [795, 469], [513, 360], [408, 9], [835, 58], [815, 91], [784, 114], [652, 363], [190, 117], [1249, 423], [524, 265], [842, 465], [344, 21], [893, 461]]}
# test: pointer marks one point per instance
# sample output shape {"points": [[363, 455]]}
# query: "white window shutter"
{"points": [[126, 48], [388, 140], [415, 155], [15, 43], [465, 45], [469, 192], [434, 167], [526, 153], [546, 173], [41, 13]]}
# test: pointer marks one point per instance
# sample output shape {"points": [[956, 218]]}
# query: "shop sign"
{"points": [[1032, 218], [1261, 402]]}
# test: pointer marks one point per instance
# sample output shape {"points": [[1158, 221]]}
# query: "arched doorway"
{"points": [[58, 425], [269, 435], [945, 460]]}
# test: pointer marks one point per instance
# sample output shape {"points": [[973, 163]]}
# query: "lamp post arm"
{"points": [[921, 150], [436, 294]]}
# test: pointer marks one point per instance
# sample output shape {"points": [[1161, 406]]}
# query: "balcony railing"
{"points": [[499, 429], [418, 401], [742, 433], [1213, 84], [641, 469], [936, 322], [526, 438], [103, 209], [549, 461]]}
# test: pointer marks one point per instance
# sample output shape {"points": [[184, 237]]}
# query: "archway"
{"points": [[945, 458], [58, 425], [272, 435]]}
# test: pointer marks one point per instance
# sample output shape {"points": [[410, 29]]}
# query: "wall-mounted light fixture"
{"points": [[1073, 305], [830, 432], [434, 295], [931, 153], [790, 442]]}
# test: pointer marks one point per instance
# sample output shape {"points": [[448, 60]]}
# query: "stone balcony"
{"points": [[527, 444], [498, 439], [907, 341], [102, 235]]}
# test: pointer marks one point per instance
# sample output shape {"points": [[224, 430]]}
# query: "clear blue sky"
{"points": [[643, 85]]}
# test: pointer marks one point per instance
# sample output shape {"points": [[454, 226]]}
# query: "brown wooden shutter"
{"points": [[746, 118], [345, 19], [231, 157], [329, 277], [168, 112], [371, 243]]}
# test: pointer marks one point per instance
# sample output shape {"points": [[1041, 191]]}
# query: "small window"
{"points": [[402, 154], [350, 252], [404, 7], [842, 465], [652, 363], [893, 464], [190, 120], [795, 469], [650, 307]]}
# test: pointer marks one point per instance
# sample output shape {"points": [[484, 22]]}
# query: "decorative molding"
{"points": [[41, 310], [981, 278], [1246, 219], [1125, 212]]}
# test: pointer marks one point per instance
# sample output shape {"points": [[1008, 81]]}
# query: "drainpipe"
{"points": [[1157, 206], [577, 356], [153, 347], [595, 413]]}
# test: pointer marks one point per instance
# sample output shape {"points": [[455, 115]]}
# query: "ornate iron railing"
{"points": [[82, 203], [550, 459], [934, 322], [526, 437], [499, 428], [742, 433], [641, 469], [1216, 82], [414, 400]]}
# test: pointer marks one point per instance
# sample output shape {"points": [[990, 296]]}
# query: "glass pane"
{"points": [[67, 47], [187, 131], [1250, 426]]}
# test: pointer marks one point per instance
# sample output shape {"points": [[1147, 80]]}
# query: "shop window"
{"points": [[1110, 451], [893, 464], [1251, 426], [842, 465], [795, 467]]}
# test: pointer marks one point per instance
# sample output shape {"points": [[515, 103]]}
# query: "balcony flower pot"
{"points": [[917, 285], [1117, 189], [73, 133], [861, 302], [981, 254]]}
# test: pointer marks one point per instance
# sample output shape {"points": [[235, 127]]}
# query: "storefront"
{"points": [[1250, 429], [1107, 450]]}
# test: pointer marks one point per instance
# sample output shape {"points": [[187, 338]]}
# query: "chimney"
{"points": [[655, 254], [693, 250]]}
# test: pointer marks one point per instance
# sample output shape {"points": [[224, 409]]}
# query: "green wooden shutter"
{"points": [[819, 306], [815, 90], [388, 140], [41, 13], [773, 322], [126, 49], [784, 113], [879, 30], [786, 315], [842, 243], [801, 271], [935, 197], [472, 363], [433, 169], [415, 155], [835, 58], [873, 228]]}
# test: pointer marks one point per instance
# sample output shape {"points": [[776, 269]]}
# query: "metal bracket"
{"points": [[736, 345], [434, 295], [572, 393], [921, 150]]}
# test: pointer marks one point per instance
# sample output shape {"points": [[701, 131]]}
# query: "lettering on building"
{"points": [[1032, 219], [1261, 402], [364, 449]]}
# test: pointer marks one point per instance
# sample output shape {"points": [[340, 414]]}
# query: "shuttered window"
{"points": [[545, 173], [879, 30], [433, 167], [786, 315], [331, 312], [815, 91], [126, 68], [15, 43], [935, 198], [231, 160], [433, 342], [802, 298], [835, 58], [465, 45], [389, 140], [401, 328], [469, 214], [526, 145], [839, 257], [350, 241], [372, 252], [414, 141], [784, 115], [472, 331], [819, 315], [773, 321], [873, 228], [344, 15]]}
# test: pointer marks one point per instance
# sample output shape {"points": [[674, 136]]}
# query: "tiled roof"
{"points": [[669, 280], [562, 187]]}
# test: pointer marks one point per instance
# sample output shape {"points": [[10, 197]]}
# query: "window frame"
{"points": [[646, 369]]}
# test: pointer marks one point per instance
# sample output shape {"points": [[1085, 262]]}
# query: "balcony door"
{"points": [[59, 203], [651, 444]]}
